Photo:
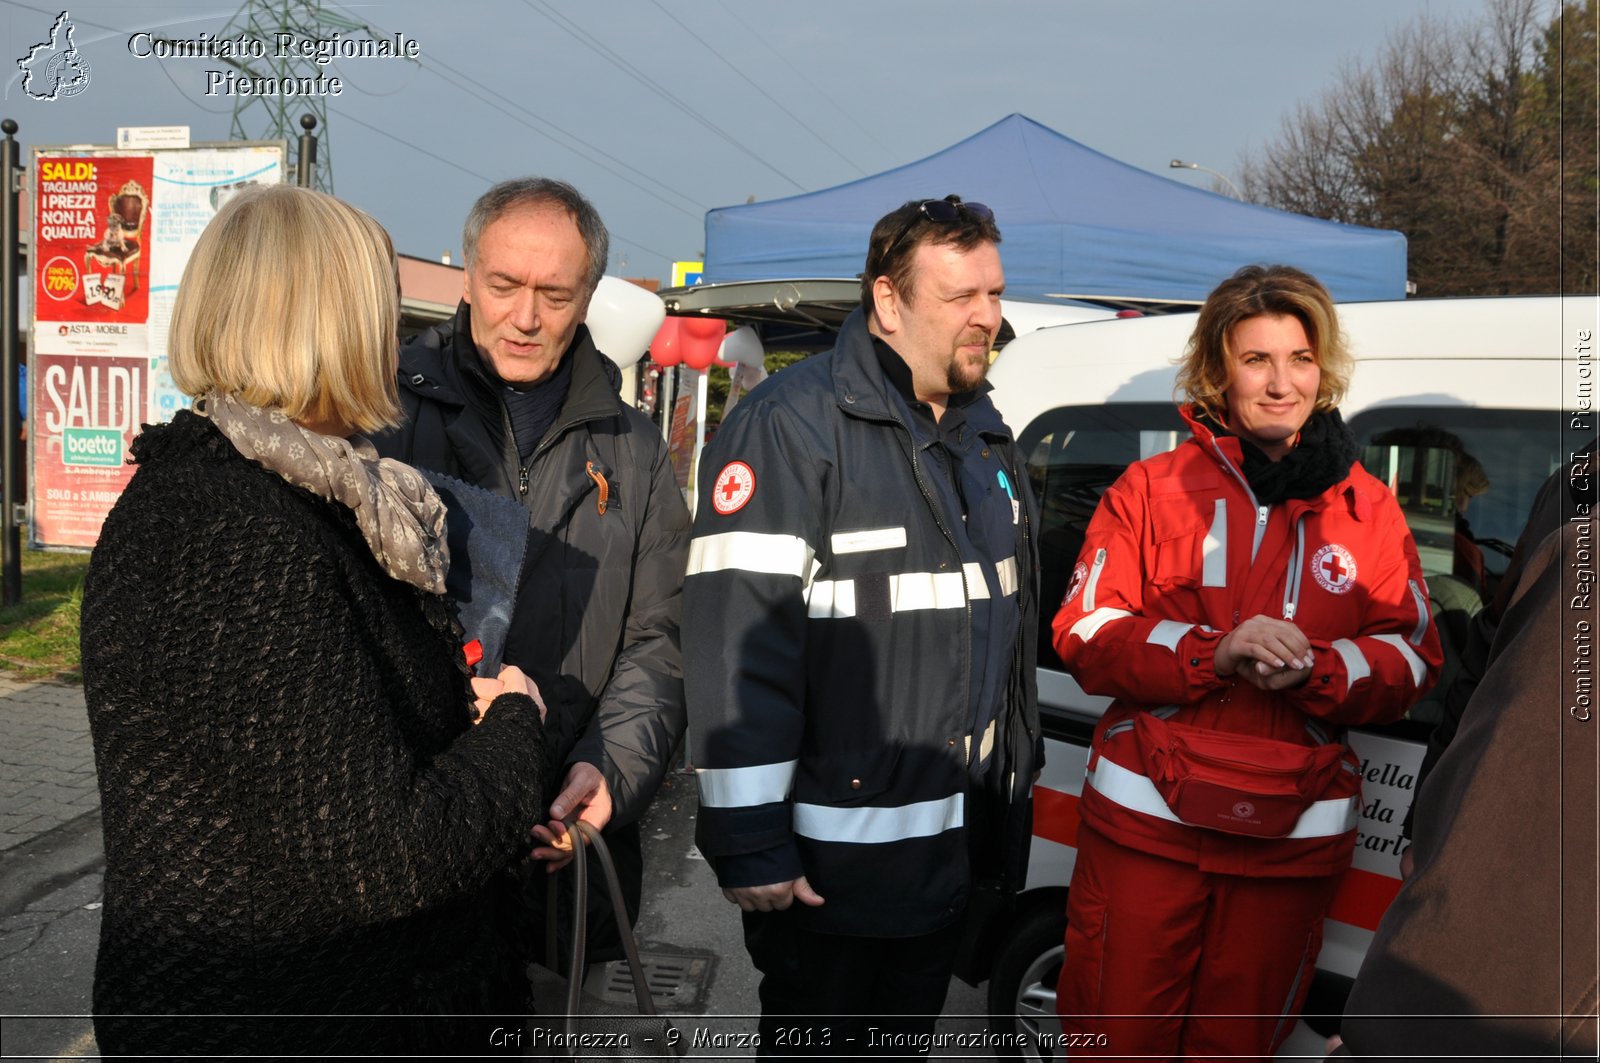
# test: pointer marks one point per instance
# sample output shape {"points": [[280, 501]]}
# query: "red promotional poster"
{"points": [[92, 224], [87, 409]]}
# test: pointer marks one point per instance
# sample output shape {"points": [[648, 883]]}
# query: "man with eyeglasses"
{"points": [[859, 615], [512, 395]]}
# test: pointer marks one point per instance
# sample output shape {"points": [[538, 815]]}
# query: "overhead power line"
{"points": [[487, 180], [585, 38], [492, 97], [778, 53], [801, 122]]}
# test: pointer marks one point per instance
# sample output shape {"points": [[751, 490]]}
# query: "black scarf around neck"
{"points": [[1320, 459]]}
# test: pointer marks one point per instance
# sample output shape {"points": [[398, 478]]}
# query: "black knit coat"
{"points": [[299, 817]]}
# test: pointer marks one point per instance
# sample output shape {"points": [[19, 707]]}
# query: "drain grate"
{"points": [[676, 980]]}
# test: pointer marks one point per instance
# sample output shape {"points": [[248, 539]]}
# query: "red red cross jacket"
{"points": [[1177, 555]]}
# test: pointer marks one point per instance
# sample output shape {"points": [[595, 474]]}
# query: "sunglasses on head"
{"points": [[944, 212], [940, 212]]}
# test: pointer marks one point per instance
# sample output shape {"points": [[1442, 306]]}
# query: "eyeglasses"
{"points": [[944, 212]]}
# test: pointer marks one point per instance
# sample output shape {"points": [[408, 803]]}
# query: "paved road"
{"points": [[51, 887]]}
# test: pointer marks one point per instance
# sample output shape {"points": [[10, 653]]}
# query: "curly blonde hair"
{"points": [[1262, 291]]}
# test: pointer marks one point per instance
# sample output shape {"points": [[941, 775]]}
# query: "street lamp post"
{"points": [[1179, 164]]}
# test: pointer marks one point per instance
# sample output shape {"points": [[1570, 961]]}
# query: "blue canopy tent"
{"points": [[1076, 223]]}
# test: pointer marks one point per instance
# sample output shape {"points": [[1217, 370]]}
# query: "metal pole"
{"points": [[666, 395], [306, 170], [10, 418]]}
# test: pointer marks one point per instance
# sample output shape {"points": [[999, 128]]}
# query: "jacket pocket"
{"points": [[856, 777], [1189, 542]]}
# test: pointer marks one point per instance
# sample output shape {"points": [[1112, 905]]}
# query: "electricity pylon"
{"points": [[277, 116]]}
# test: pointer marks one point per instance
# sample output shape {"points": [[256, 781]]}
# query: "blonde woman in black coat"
{"points": [[300, 817]]}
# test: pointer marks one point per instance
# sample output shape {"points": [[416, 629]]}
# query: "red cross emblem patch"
{"points": [[1334, 569], [1079, 574], [733, 487]]}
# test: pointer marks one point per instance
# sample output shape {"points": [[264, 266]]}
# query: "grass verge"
{"points": [[39, 635]]}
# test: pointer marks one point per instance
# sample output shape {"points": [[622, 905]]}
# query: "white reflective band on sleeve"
{"points": [[1419, 670], [1355, 662], [779, 555], [761, 784], [1087, 627], [1323, 819], [1422, 612], [1008, 576], [1093, 585], [860, 542], [1168, 633], [870, 824], [1214, 551]]}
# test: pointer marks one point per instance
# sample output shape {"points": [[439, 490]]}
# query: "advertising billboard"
{"points": [[112, 231]]}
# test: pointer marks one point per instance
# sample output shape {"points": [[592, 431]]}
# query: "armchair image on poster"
{"points": [[93, 218], [119, 248]]}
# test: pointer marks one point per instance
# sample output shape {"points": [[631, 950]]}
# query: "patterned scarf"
{"points": [[399, 515]]}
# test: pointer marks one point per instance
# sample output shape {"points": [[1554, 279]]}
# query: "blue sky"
{"points": [[685, 105]]}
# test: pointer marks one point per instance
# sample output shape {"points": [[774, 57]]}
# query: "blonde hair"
{"points": [[1262, 291], [291, 302]]}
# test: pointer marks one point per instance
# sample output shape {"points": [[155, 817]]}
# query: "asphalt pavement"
{"points": [[51, 873]]}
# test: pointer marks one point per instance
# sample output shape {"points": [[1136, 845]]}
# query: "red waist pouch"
{"points": [[1239, 784]]}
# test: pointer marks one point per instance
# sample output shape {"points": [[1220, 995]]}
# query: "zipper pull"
{"points": [[599, 479], [1261, 516], [522, 482], [1288, 610]]}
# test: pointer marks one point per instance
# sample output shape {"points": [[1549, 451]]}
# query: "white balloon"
{"points": [[623, 319], [743, 346]]}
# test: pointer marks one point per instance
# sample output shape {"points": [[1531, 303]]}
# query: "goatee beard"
{"points": [[958, 378]]}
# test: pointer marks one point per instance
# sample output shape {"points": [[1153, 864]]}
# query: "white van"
{"points": [[1458, 405]]}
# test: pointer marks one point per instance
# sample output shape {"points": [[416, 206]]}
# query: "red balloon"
{"points": [[701, 338], [666, 348]]}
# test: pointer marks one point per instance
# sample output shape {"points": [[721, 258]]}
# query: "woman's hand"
{"points": [[512, 680], [1266, 652], [1264, 677]]}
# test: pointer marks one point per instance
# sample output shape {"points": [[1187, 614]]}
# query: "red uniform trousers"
{"points": [[1192, 964]]}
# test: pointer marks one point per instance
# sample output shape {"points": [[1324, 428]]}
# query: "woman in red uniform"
{"points": [[1243, 598]]}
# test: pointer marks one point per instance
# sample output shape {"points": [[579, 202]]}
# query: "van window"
{"points": [[1074, 453], [1464, 477]]}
